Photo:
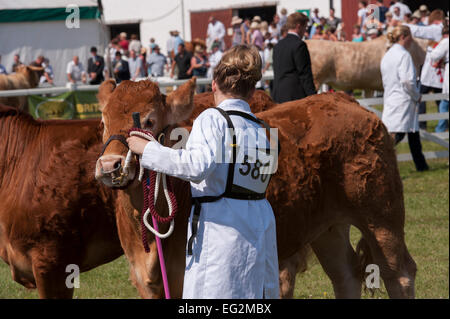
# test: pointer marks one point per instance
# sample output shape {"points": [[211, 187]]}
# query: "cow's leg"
{"points": [[145, 272], [386, 248], [51, 280], [339, 260], [288, 271]]}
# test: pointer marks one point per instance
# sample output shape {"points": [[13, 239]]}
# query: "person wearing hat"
{"points": [[238, 31], [177, 40], [424, 13], [416, 18], [96, 65], [215, 32], [156, 61]]}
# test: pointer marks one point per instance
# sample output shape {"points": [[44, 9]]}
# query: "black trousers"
{"points": [[423, 105], [415, 146]]}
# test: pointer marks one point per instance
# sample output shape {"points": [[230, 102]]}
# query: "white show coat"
{"points": [[438, 53], [216, 31], [429, 75], [429, 32], [235, 251], [401, 92]]}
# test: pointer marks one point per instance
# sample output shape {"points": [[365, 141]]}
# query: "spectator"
{"points": [[402, 10], [397, 14], [256, 35], [293, 77], [110, 53], [283, 32], [389, 23], [215, 32], [283, 17], [96, 65], [318, 33], [439, 56], [315, 19], [357, 36], [238, 36], [372, 23], [123, 42], [16, 63], [199, 65], [416, 18], [2, 68], [401, 94], [135, 66], [135, 45], [331, 34], [183, 62], [177, 40], [170, 46], [340, 33], [143, 58], [382, 10], [75, 71], [274, 27], [121, 69], [48, 75], [246, 26], [264, 28], [156, 62], [424, 13], [38, 63], [362, 13], [372, 34], [214, 58], [332, 21]]}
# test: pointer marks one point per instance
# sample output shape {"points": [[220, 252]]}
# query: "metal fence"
{"points": [[166, 82]]}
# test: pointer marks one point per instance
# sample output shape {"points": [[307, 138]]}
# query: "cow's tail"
{"points": [[364, 259]]}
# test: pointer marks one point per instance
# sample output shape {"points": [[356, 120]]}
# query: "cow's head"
{"points": [[157, 111], [30, 73]]}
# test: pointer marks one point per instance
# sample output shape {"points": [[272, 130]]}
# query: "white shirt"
{"points": [[429, 75], [75, 70], [438, 53], [234, 253], [430, 32], [404, 9], [214, 59], [362, 13], [216, 31], [401, 91]]}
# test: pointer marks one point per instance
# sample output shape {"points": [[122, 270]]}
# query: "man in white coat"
{"points": [[401, 94], [215, 33], [439, 55], [232, 251]]}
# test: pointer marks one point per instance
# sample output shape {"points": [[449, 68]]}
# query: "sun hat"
{"points": [[236, 20]]}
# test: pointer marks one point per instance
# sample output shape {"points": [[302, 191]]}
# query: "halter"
{"points": [[150, 187]]}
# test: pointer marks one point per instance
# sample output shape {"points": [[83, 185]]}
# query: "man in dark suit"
{"points": [[96, 65], [120, 68], [293, 78]]}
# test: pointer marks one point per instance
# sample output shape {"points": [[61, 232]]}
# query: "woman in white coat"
{"points": [[232, 250], [439, 55], [401, 94]]}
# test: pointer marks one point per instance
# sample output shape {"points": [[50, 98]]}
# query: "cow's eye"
{"points": [[149, 123]]}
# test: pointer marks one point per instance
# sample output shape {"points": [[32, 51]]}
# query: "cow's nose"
{"points": [[110, 165]]}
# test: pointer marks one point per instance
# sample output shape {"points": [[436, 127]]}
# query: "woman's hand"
{"points": [[137, 144]]}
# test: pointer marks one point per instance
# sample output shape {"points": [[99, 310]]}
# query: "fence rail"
{"points": [[165, 82]]}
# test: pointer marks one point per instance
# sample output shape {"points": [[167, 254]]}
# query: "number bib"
{"points": [[253, 173]]}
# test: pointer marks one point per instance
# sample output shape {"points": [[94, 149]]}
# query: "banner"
{"points": [[70, 105]]}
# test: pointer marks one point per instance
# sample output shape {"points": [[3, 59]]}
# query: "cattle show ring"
{"points": [[80, 217]]}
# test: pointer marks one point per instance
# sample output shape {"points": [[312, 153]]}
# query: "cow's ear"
{"points": [[180, 103], [104, 92]]}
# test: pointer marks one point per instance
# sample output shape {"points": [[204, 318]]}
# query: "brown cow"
{"points": [[53, 212], [351, 65], [337, 168], [26, 77]]}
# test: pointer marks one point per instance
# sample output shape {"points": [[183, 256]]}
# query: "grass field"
{"points": [[427, 238]]}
